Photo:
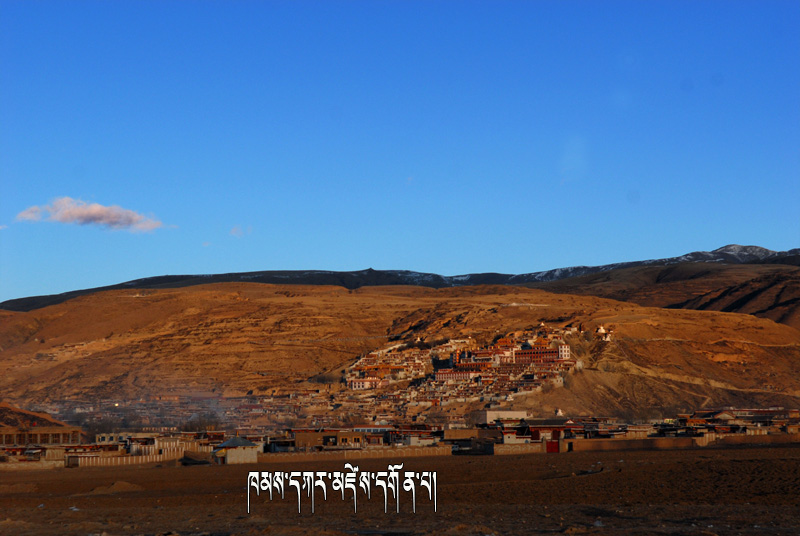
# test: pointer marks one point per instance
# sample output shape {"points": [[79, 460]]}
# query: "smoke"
{"points": [[68, 210]]}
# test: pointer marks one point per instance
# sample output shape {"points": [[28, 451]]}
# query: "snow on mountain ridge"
{"points": [[730, 254], [734, 249]]}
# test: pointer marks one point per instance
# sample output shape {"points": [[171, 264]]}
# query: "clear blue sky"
{"points": [[149, 138]]}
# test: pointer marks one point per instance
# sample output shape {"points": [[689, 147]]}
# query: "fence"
{"points": [[357, 454], [113, 461], [148, 450], [153, 455]]}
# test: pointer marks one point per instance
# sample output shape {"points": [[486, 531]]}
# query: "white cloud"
{"points": [[68, 210], [238, 232], [30, 214]]}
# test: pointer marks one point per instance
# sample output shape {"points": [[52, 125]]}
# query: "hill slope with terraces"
{"points": [[234, 338]]}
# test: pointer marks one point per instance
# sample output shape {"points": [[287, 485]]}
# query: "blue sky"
{"points": [[149, 138]]}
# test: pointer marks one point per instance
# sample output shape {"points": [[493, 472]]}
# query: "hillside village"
{"points": [[451, 396], [402, 382], [460, 371]]}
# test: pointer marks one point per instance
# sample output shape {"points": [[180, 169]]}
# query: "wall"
{"points": [[653, 443], [241, 455], [656, 443], [521, 448], [718, 441], [111, 461], [153, 449], [23, 466], [386, 452], [469, 433], [54, 454]]}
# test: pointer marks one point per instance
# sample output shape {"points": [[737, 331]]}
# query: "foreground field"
{"points": [[708, 491]]}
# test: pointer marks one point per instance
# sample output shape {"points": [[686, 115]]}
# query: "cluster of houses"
{"points": [[488, 429], [160, 411], [381, 367], [124, 447], [461, 371], [400, 395], [396, 383], [761, 421]]}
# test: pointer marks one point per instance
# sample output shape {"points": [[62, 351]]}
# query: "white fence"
{"points": [[112, 461], [148, 450]]}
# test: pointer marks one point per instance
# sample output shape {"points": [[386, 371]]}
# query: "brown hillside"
{"points": [[18, 418], [234, 338], [767, 291]]}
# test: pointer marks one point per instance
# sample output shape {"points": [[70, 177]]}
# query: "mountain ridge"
{"points": [[730, 254]]}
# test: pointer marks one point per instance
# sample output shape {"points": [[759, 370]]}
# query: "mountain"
{"points": [[764, 290], [731, 254], [235, 338]]}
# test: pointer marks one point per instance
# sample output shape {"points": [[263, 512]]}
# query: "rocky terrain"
{"points": [[764, 290], [16, 417], [235, 338]]}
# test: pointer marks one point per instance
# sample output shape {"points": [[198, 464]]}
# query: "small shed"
{"points": [[235, 450]]}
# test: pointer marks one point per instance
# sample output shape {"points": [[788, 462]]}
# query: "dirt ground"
{"points": [[688, 492]]}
